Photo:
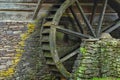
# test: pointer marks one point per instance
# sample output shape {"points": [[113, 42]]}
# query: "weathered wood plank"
{"points": [[20, 21], [86, 6], [14, 7], [88, 9], [19, 10], [23, 9], [25, 6], [30, 4], [21, 1]]}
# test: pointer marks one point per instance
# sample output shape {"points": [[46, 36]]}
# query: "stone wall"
{"points": [[99, 58], [9, 39], [20, 57], [31, 65]]}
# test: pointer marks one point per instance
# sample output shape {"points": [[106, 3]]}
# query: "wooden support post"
{"points": [[37, 9]]}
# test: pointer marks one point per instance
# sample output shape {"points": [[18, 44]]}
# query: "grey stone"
{"points": [[17, 32], [10, 32], [87, 61], [2, 24], [2, 67], [13, 26], [26, 64], [9, 63]]}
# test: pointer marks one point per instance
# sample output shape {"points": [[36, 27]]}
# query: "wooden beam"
{"points": [[70, 55], [73, 33], [37, 9], [20, 10]]}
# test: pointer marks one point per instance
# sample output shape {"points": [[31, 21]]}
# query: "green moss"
{"points": [[107, 78], [83, 50], [48, 77], [59, 36], [103, 49]]}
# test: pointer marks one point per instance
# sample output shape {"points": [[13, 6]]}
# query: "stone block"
{"points": [[9, 32], [10, 50], [10, 55], [13, 26], [17, 32], [2, 67], [2, 78], [21, 26], [7, 46], [2, 24], [8, 63], [6, 58]]}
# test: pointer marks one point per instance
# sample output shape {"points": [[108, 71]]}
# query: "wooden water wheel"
{"points": [[61, 33]]}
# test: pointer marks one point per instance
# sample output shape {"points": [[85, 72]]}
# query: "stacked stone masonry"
{"points": [[9, 38], [99, 58], [30, 63]]}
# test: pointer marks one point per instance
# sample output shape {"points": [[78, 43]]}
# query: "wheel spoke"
{"points": [[94, 10], [69, 55], [85, 18], [112, 27], [101, 18], [73, 33], [76, 19]]}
